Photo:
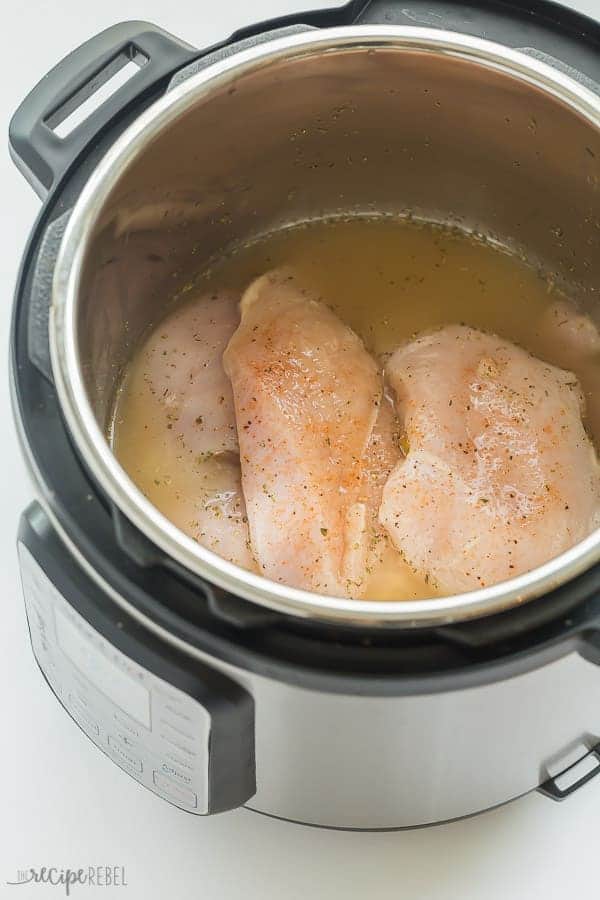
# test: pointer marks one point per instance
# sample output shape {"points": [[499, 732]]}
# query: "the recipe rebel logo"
{"points": [[90, 876]]}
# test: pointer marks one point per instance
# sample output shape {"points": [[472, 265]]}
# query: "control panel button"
{"points": [[82, 715], [38, 622], [126, 739], [174, 709], [80, 697], [124, 723], [176, 792], [176, 774], [177, 740], [124, 756]]}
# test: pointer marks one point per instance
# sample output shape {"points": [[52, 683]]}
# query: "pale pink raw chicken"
{"points": [[570, 338], [184, 370], [306, 396], [500, 474], [183, 366], [210, 508], [569, 335]]}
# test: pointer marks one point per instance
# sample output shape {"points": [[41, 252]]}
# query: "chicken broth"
{"points": [[388, 280]]}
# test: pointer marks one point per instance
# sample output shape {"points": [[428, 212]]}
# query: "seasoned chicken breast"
{"points": [[569, 338], [569, 335], [306, 396], [184, 398], [500, 475], [184, 371]]}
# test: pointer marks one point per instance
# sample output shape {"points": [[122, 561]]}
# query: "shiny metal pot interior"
{"points": [[366, 119]]}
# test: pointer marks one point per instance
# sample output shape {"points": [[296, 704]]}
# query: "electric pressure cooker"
{"points": [[212, 686]]}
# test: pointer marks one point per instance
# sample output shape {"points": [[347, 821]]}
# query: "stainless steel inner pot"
{"points": [[375, 119]]}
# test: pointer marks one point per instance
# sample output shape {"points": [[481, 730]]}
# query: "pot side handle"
{"points": [[43, 155]]}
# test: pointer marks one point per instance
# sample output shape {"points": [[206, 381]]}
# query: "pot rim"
{"points": [[66, 364]]}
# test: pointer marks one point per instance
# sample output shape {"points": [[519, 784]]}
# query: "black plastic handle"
{"points": [[550, 787], [37, 150]]}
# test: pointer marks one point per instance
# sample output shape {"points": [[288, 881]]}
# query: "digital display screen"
{"points": [[123, 689]]}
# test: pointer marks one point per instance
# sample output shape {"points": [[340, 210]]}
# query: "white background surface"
{"points": [[64, 804]]}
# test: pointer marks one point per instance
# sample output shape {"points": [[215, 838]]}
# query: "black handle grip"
{"points": [[550, 787], [37, 150]]}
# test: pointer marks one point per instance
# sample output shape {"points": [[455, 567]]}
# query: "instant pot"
{"points": [[212, 686]]}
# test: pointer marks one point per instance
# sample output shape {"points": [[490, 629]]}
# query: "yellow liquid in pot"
{"points": [[387, 279]]}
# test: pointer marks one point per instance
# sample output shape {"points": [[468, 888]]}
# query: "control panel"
{"points": [[152, 730]]}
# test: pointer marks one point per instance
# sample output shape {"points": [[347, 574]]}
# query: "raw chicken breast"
{"points": [[183, 386], [209, 506], [184, 370], [570, 335], [306, 399], [500, 475], [571, 339]]}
